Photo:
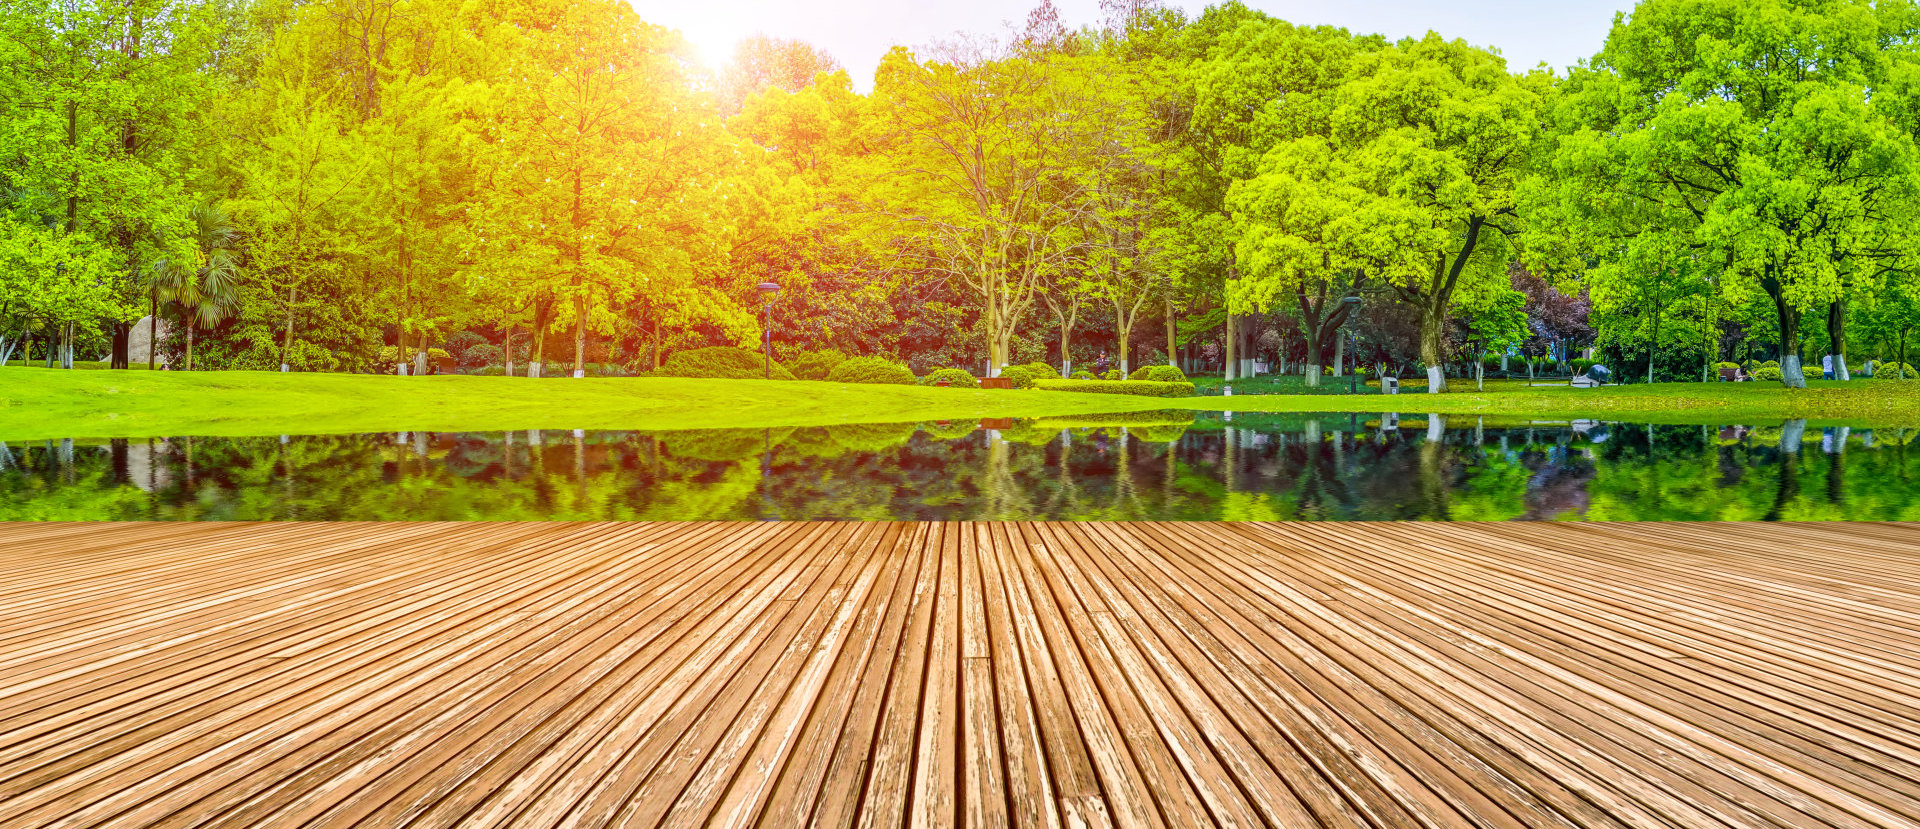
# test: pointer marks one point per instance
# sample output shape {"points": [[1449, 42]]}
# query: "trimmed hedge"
{"points": [[1893, 371], [1113, 375], [872, 370], [721, 362], [955, 377], [1082, 374], [815, 365], [1163, 373], [1021, 376], [1140, 388], [1042, 371], [1768, 373]]}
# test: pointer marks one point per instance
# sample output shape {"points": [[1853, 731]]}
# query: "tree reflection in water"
{"points": [[1158, 466]]}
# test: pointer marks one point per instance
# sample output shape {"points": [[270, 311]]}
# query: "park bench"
{"points": [[1734, 375], [995, 383]]}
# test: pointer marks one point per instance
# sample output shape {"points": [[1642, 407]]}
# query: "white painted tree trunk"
{"points": [[533, 369], [1436, 379], [1790, 373]]}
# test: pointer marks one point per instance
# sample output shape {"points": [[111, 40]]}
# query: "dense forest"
{"points": [[517, 186]]}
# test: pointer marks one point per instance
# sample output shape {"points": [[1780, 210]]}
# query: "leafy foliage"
{"points": [[815, 365], [723, 362], [1141, 388], [955, 377], [872, 370]]}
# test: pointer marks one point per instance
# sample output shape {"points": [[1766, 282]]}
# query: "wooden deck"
{"points": [[836, 674]]}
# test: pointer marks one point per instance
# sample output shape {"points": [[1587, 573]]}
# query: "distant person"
{"points": [[1826, 367], [1102, 362]]}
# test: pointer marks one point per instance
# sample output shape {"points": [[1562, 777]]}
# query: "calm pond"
{"points": [[1153, 466]]}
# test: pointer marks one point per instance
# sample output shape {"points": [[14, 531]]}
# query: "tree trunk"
{"points": [[1314, 358], [420, 356], [1339, 356], [506, 353], [1790, 374], [580, 335], [286, 345], [1837, 334], [1232, 365], [153, 328], [1066, 337], [1173, 337], [1432, 328], [190, 327], [122, 341], [542, 315], [1653, 344]]}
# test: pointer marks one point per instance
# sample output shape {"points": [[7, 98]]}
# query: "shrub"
{"points": [[1724, 366], [721, 362], [816, 365], [872, 370], [480, 354], [1113, 375], [1139, 373], [1165, 374], [1021, 376], [1768, 373], [1581, 366], [956, 377], [1042, 371], [1082, 374], [458, 344], [1893, 371], [1141, 388]]}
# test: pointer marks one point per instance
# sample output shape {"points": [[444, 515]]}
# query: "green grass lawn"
{"points": [[36, 403]]}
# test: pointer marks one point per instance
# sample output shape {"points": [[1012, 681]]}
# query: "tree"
{"points": [[1772, 139], [1403, 176], [58, 279], [299, 170], [600, 163], [980, 147], [761, 63], [205, 287], [102, 102], [1249, 78]]}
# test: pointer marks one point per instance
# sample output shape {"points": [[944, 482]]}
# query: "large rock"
{"points": [[139, 345]]}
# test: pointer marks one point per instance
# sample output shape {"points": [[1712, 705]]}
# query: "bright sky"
{"points": [[859, 32]]}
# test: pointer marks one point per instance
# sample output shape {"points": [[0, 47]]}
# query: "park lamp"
{"points": [[767, 289]]}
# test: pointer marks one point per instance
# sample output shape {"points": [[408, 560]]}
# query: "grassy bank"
{"points": [[96, 404], [82, 404]]}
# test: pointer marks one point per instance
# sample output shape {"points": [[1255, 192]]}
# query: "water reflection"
{"points": [[1169, 466]]}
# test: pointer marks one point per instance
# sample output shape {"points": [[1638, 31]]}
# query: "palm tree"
{"points": [[208, 289]]}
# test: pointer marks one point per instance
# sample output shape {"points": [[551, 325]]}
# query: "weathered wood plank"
{"points": [[1017, 674]]}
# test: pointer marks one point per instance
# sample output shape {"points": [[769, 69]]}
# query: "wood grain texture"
{"points": [[967, 674]]}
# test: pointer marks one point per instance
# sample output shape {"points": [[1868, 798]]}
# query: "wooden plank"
{"points": [[991, 674]]}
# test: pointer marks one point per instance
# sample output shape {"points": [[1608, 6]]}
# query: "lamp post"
{"points": [[768, 289]]}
